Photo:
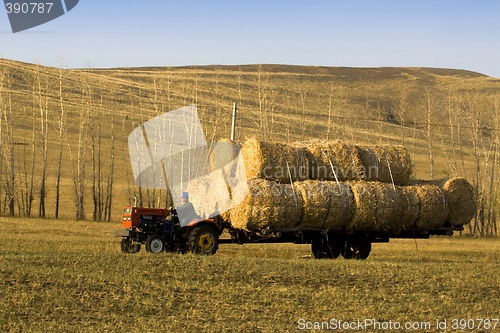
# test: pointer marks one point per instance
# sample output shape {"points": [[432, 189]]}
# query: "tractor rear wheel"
{"points": [[155, 244], [204, 239]]}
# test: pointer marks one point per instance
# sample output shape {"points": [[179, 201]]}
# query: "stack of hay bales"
{"points": [[338, 186]]}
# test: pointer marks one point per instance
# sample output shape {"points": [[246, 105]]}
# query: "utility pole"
{"points": [[233, 126]]}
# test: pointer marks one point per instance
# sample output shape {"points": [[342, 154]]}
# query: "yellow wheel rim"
{"points": [[205, 242]]}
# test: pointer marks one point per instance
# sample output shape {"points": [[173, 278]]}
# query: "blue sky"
{"points": [[360, 33]]}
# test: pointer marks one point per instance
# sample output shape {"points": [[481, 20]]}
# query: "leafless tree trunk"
{"points": [[453, 120], [44, 133], [329, 123], [2, 115], [78, 166], [474, 113], [62, 130], [429, 108], [11, 181], [109, 191], [491, 221], [402, 109], [29, 181]]}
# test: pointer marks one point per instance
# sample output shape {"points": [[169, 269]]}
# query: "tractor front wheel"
{"points": [[127, 246], [204, 239]]}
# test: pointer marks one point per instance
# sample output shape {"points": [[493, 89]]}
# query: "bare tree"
{"points": [[27, 173], [429, 100], [491, 222], [43, 101], [96, 169], [78, 165], [2, 115], [109, 190], [61, 134], [10, 190], [402, 109]]}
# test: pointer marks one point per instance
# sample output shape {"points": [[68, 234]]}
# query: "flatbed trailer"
{"points": [[326, 243], [159, 230]]}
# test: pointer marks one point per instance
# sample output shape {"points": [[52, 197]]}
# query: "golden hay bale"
{"points": [[316, 202], [376, 207], [409, 206], [380, 162], [366, 206], [342, 206], [267, 204], [461, 201], [223, 152], [275, 161], [330, 159], [433, 207]]}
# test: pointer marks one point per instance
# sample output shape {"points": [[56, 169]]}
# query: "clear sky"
{"points": [[362, 33]]}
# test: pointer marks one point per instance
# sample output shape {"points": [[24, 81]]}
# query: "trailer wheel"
{"points": [[323, 249], [356, 249], [127, 246], [155, 244], [204, 239]]}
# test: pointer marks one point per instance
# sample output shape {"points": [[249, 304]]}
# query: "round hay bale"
{"points": [[389, 209], [342, 206], [275, 161], [433, 207], [386, 163], [316, 202], [223, 152], [330, 159], [267, 204], [461, 201], [380, 207], [365, 214], [409, 206], [328, 205], [376, 207]]}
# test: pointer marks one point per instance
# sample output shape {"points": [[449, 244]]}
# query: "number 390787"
{"points": [[29, 8]]}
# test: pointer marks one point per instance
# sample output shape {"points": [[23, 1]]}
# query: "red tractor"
{"points": [[159, 229]]}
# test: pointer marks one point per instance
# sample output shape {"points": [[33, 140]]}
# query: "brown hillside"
{"points": [[275, 102]]}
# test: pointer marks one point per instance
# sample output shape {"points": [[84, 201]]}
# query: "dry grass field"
{"points": [[66, 276]]}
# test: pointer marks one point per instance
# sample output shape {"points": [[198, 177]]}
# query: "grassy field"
{"points": [[66, 276]]}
